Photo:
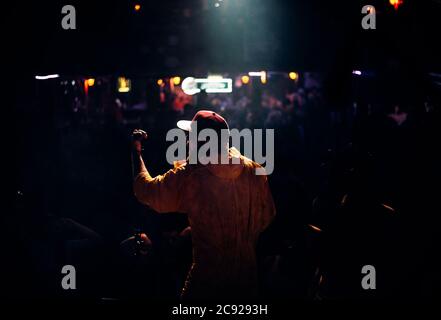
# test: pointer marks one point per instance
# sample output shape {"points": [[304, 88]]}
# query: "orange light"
{"points": [[137, 7], [160, 82], [176, 80], [316, 229], [172, 84], [293, 75], [90, 82], [396, 3], [86, 88], [245, 79], [124, 84]]}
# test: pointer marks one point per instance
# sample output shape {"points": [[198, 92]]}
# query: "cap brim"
{"points": [[184, 125]]}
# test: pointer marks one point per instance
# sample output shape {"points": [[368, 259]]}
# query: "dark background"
{"points": [[182, 35], [84, 173]]}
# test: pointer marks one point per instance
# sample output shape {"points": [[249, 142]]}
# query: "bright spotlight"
{"points": [[245, 79], [176, 80], [263, 77], [123, 84], [293, 75]]}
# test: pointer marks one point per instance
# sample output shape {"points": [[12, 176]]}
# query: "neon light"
{"points": [[256, 73], [192, 85], [49, 76]]}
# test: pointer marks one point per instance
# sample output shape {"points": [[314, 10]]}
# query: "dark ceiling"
{"points": [[195, 36]]}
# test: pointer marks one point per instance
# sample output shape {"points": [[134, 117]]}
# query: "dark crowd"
{"points": [[355, 183]]}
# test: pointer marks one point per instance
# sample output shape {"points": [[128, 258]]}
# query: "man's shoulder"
{"points": [[184, 167], [250, 165]]}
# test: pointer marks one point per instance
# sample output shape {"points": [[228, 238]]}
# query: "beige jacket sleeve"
{"points": [[162, 193]]}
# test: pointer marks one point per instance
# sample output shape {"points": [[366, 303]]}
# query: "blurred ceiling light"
{"points": [[137, 7], [357, 72], [90, 82], [217, 4], [49, 76], [176, 80], [255, 73], [245, 79], [160, 82], [263, 77], [123, 84], [293, 75]]}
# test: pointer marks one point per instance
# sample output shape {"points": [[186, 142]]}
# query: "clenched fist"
{"points": [[138, 136]]}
